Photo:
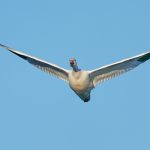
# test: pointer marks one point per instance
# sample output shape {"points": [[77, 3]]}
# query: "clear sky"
{"points": [[40, 112]]}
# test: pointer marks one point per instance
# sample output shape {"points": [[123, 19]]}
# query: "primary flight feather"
{"points": [[82, 81]]}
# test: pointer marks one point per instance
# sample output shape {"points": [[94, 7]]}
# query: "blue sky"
{"points": [[38, 111]]}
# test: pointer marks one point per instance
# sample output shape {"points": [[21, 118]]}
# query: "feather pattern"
{"points": [[113, 70], [43, 65]]}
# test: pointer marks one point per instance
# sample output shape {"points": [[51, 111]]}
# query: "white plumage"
{"points": [[80, 81]]}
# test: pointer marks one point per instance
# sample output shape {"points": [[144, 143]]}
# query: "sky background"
{"points": [[40, 112]]}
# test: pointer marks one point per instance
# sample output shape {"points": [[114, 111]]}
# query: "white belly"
{"points": [[79, 81]]}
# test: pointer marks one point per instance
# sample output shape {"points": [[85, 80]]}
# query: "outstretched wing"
{"points": [[43, 65], [113, 70]]}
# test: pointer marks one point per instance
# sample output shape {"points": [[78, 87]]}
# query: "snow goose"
{"points": [[82, 81]]}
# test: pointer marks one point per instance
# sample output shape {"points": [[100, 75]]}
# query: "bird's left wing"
{"points": [[43, 65], [110, 71]]}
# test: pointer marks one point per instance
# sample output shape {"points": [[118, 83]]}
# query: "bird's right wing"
{"points": [[43, 65], [110, 71]]}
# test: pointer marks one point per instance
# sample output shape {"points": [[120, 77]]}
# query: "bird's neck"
{"points": [[75, 68]]}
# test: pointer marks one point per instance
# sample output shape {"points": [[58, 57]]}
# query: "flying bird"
{"points": [[83, 81]]}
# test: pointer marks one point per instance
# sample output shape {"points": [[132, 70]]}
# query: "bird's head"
{"points": [[73, 64]]}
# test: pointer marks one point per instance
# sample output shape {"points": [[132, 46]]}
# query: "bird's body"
{"points": [[79, 81], [82, 81], [81, 84]]}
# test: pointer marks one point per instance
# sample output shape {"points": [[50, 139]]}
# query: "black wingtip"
{"points": [[3, 46], [144, 57], [13, 51], [22, 56]]}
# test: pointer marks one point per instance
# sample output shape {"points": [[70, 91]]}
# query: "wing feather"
{"points": [[113, 70], [43, 65]]}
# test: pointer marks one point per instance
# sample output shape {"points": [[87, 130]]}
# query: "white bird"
{"points": [[82, 81]]}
